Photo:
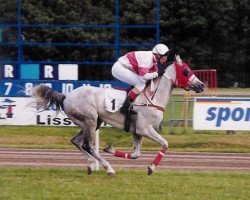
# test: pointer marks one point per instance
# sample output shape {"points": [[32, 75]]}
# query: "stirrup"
{"points": [[128, 111], [132, 112], [127, 121], [128, 118], [123, 110]]}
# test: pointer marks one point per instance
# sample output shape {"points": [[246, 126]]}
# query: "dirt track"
{"points": [[172, 161]]}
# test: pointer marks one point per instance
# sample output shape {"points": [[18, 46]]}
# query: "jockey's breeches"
{"points": [[125, 74]]}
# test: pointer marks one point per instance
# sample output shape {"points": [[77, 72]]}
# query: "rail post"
{"points": [[97, 147]]}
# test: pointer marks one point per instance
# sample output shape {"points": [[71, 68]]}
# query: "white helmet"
{"points": [[160, 49]]}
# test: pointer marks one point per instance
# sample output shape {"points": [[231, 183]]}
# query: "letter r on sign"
{"points": [[48, 69], [8, 71]]}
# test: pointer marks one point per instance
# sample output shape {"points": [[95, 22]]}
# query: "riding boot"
{"points": [[125, 109]]}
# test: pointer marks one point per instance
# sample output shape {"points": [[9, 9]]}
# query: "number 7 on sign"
{"points": [[9, 86]]}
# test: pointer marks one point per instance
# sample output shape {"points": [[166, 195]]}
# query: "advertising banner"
{"points": [[20, 111], [221, 114]]}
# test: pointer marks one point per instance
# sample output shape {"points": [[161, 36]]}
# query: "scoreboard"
{"points": [[19, 81], [23, 88], [39, 71]]}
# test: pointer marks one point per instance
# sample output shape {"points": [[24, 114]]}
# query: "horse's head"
{"points": [[185, 78]]}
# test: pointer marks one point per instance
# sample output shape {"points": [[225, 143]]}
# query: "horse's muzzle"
{"points": [[198, 88]]}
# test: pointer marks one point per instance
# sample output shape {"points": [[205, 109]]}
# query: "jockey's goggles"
{"points": [[164, 56]]}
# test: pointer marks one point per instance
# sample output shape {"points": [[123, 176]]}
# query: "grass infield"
{"points": [[39, 137], [55, 184]]}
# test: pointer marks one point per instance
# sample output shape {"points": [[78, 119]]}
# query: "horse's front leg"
{"points": [[137, 139], [153, 135]]}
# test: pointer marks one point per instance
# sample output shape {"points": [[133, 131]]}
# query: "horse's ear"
{"points": [[178, 60]]}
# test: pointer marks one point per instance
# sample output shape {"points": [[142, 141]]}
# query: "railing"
{"points": [[207, 76], [20, 43]]}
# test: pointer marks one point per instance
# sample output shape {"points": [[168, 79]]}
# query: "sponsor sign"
{"points": [[221, 114], [20, 111]]}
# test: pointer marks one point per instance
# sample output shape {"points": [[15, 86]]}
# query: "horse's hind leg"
{"points": [[136, 153], [89, 148], [83, 141], [103, 162], [78, 141]]}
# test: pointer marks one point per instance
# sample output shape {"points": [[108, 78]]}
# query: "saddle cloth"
{"points": [[114, 99]]}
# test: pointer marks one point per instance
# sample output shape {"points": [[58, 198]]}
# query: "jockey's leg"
{"points": [[122, 73], [127, 103], [136, 153], [131, 97]]}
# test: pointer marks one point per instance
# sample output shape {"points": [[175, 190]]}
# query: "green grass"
{"points": [[40, 184], [59, 138]]}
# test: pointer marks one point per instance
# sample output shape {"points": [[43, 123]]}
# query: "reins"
{"points": [[151, 103]]}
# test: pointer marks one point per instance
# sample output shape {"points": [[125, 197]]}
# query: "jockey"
{"points": [[136, 68]]}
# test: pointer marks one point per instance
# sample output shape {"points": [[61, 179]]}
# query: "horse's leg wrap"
{"points": [[137, 149], [160, 155], [123, 154], [156, 161]]}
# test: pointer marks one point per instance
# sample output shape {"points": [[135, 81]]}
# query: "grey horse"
{"points": [[85, 106]]}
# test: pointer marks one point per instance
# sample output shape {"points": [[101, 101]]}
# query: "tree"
{"points": [[212, 34]]}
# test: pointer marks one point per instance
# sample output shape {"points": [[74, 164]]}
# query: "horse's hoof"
{"points": [[111, 174], [89, 170], [108, 149], [151, 168], [150, 171]]}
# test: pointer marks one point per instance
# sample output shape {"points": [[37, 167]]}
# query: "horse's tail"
{"points": [[46, 97]]}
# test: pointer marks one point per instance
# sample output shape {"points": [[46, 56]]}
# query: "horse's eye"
{"points": [[185, 72]]}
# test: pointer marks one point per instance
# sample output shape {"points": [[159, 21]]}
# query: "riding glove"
{"points": [[149, 76]]}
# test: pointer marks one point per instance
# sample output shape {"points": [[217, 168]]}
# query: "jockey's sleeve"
{"points": [[143, 70], [154, 68]]}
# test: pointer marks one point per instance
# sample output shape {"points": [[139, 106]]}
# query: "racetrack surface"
{"points": [[48, 158]]}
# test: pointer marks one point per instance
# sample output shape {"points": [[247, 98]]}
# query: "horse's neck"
{"points": [[164, 87]]}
